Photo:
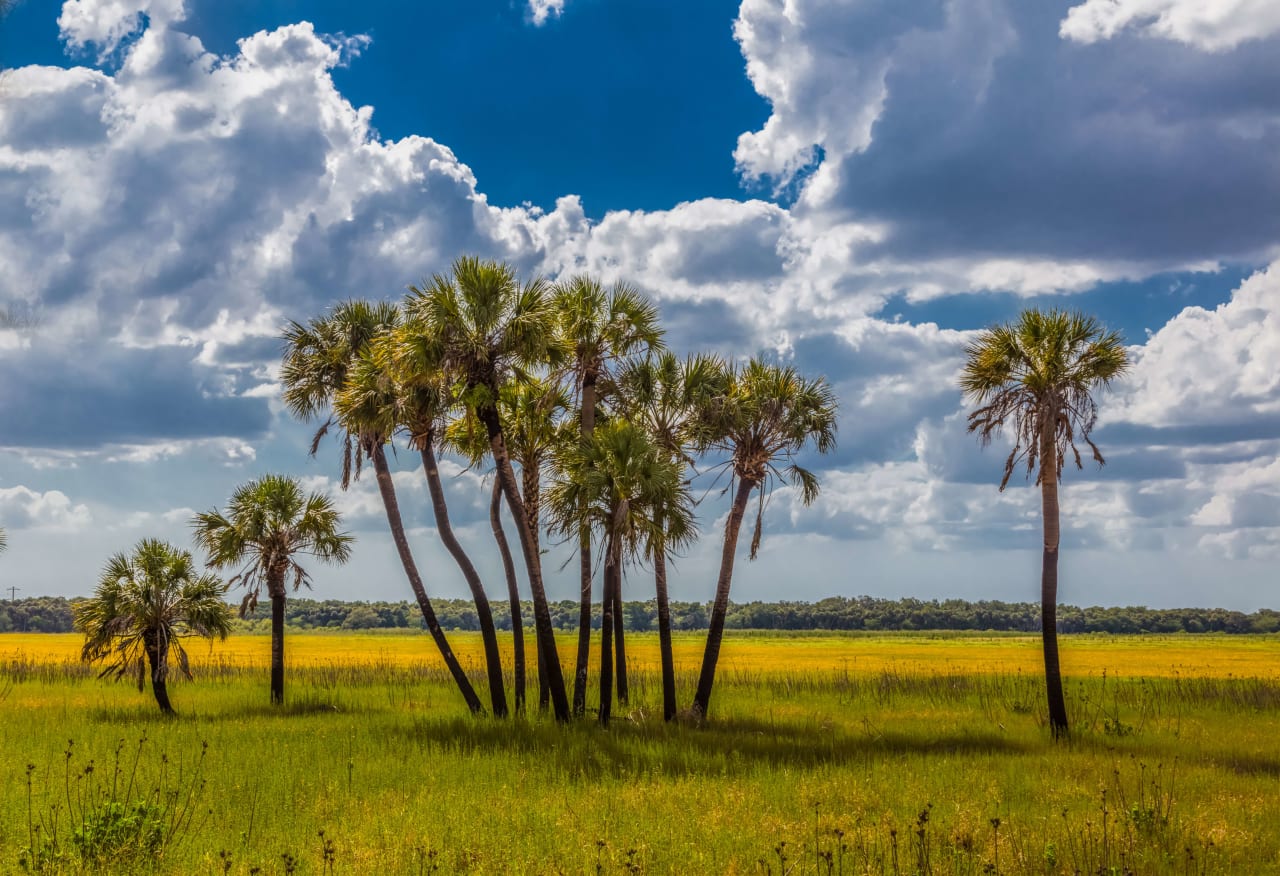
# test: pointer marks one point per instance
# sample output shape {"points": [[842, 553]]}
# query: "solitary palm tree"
{"points": [[1038, 375], [665, 396], [269, 524], [480, 325], [145, 605], [598, 327], [767, 415], [611, 483]]}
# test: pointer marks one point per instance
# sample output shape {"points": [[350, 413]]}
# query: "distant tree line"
{"points": [[50, 614]]}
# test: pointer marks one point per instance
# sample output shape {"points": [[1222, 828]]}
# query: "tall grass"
{"points": [[374, 766]]}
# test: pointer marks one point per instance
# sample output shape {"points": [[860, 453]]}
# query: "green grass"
{"points": [[799, 771]]}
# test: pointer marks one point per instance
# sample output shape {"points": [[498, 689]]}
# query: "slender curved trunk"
{"points": [[157, 658], [388, 491], [664, 620], [619, 641], [530, 481], [1049, 577], [513, 591], [611, 568], [275, 587], [588, 425], [488, 633], [702, 697], [533, 562]]}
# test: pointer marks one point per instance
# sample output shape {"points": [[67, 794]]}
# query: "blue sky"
{"points": [[855, 187]]}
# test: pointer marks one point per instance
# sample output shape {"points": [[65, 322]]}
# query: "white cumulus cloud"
{"points": [[1211, 25]]}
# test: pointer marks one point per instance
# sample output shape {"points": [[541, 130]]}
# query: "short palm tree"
{"points": [[599, 327], [480, 326], [664, 395], [611, 483], [268, 525], [1038, 375], [767, 415], [146, 603]]}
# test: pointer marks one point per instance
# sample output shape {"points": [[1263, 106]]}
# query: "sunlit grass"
{"points": [[1172, 768]]}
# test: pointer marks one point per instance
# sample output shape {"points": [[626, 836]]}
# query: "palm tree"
{"points": [[317, 362], [480, 326], [318, 356], [599, 326], [269, 524], [1038, 374], [145, 605], [767, 415], [664, 396], [374, 404], [612, 482]]}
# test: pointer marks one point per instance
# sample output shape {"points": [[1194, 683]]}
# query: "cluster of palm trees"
{"points": [[572, 384]]}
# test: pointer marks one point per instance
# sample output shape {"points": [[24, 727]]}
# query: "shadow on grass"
{"points": [[728, 746], [141, 715]]}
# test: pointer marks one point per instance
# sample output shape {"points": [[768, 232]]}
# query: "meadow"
{"points": [[853, 753]]}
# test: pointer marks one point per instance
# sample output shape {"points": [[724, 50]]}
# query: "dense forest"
{"points": [[53, 615]]}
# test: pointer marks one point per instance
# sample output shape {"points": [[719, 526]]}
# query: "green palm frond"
{"points": [[1039, 374], [269, 523], [153, 595]]}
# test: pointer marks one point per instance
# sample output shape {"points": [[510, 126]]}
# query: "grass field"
{"points": [[825, 754]]}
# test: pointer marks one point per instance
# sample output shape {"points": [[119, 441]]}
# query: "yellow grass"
{"points": [[1205, 656]]}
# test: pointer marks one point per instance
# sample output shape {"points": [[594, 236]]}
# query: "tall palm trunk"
{"points": [[702, 697], [388, 491], [513, 590], [619, 642], [531, 495], [156, 658], [1049, 575], [275, 587], [488, 415], [588, 425], [611, 575], [664, 620], [488, 633]]}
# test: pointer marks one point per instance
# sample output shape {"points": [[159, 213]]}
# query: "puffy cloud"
{"points": [[1214, 373], [106, 23], [995, 154], [1212, 25], [540, 11], [24, 508]]}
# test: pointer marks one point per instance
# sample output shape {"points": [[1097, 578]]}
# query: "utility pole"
{"points": [[13, 593]]}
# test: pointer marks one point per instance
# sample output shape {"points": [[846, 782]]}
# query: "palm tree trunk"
{"points": [[388, 491], [702, 697], [619, 642], [488, 633], [156, 660], [1049, 577], [276, 589], [606, 630], [488, 415], [531, 496], [513, 591], [664, 621], [588, 425]]}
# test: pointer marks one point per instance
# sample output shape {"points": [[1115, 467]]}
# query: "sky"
{"points": [[855, 188]]}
